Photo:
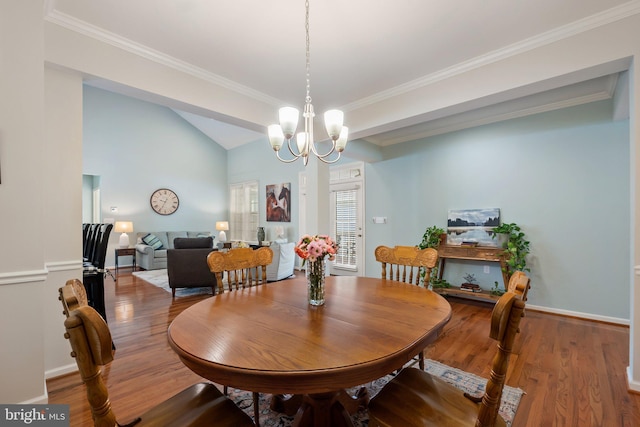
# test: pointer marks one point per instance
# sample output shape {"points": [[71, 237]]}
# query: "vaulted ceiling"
{"points": [[362, 51]]}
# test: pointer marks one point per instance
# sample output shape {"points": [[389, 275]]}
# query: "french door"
{"points": [[347, 223]]}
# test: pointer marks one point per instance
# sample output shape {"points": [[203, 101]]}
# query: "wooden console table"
{"points": [[473, 253]]}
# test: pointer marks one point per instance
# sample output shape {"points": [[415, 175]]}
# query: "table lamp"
{"points": [[222, 226], [123, 227]]}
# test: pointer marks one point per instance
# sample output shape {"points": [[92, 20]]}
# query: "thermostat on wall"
{"points": [[379, 219]]}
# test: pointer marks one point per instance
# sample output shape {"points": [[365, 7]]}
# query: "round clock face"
{"points": [[164, 201]]}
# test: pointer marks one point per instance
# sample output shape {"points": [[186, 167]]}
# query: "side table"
{"points": [[126, 252]]}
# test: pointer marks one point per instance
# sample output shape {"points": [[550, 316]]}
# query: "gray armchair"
{"points": [[187, 264]]}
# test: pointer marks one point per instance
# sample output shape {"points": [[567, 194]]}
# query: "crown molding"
{"points": [[62, 19], [494, 118], [594, 21]]}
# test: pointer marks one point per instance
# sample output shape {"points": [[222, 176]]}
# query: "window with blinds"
{"points": [[346, 227], [244, 215]]}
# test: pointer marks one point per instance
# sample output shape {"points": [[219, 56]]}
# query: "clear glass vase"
{"points": [[315, 281]]}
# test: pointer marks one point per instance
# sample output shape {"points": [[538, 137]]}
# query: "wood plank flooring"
{"points": [[573, 371]]}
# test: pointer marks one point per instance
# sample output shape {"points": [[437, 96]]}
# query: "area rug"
{"points": [[465, 381], [160, 279]]}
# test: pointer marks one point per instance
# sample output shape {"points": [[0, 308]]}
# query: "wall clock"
{"points": [[164, 201]]}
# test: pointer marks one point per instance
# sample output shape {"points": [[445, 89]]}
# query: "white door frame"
{"points": [[350, 177]]}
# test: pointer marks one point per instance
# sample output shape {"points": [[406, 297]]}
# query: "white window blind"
{"points": [[244, 215], [346, 227]]}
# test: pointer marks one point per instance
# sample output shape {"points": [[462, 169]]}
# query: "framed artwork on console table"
{"points": [[472, 226]]}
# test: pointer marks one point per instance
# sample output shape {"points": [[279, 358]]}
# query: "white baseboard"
{"points": [[62, 370], [632, 385], [580, 315]]}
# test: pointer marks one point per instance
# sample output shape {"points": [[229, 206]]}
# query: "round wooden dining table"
{"points": [[268, 339]]}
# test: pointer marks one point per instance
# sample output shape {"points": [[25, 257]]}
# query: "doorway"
{"points": [[347, 218]]}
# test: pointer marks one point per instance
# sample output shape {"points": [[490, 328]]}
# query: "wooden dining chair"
{"points": [[201, 404], [403, 264], [243, 267], [519, 284], [415, 398], [72, 295]]}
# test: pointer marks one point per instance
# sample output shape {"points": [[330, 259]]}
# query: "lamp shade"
{"points": [[333, 120], [276, 137], [222, 226], [288, 121], [123, 227], [342, 140]]}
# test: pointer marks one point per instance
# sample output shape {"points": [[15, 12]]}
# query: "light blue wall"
{"points": [[563, 176], [137, 147], [257, 161]]}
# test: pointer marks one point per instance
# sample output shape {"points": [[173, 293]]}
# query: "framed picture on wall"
{"points": [[279, 202], [472, 226]]}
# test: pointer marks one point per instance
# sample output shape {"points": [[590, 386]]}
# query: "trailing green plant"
{"points": [[516, 246], [431, 239]]}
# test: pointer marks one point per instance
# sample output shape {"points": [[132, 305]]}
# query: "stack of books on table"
{"points": [[470, 287]]}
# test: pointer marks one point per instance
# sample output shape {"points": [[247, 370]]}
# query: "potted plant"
{"points": [[432, 238], [515, 245]]}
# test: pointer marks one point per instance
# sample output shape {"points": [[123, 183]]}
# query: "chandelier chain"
{"points": [[308, 98]]}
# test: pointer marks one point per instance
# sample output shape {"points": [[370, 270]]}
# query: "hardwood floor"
{"points": [[573, 371]]}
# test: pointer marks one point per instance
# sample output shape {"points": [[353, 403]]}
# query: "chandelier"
{"points": [[305, 143]]}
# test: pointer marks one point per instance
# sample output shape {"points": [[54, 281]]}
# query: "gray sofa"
{"points": [[149, 258]]}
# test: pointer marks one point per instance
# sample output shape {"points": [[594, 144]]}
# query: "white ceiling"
{"points": [[361, 50]]}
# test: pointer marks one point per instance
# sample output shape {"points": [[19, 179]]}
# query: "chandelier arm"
{"points": [[291, 150], [315, 151], [286, 160], [304, 148], [322, 159]]}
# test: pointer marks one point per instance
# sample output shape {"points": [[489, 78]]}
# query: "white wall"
{"points": [[257, 161], [62, 234]]}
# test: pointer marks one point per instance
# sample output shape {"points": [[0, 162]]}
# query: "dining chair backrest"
{"points": [[436, 402], [199, 405], [519, 284], [505, 323], [90, 245], [403, 263], [244, 267], [72, 295], [102, 243]]}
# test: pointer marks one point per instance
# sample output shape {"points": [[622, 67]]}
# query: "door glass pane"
{"points": [[346, 227]]}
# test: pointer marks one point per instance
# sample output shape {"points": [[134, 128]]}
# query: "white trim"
{"points": [[631, 384], [15, 277], [60, 371], [578, 314], [64, 265], [606, 17], [603, 18], [100, 34]]}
